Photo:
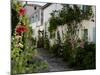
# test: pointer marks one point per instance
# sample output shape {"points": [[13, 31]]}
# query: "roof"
{"points": [[46, 5], [27, 3], [32, 5]]}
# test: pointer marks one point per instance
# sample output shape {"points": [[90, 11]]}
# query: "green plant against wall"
{"points": [[57, 47], [54, 22], [72, 16], [86, 57], [17, 51], [22, 46]]}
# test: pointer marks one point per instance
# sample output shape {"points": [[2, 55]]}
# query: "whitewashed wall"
{"points": [[30, 10], [87, 24], [36, 26]]}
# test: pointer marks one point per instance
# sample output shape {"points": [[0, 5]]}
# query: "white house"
{"points": [[39, 20], [33, 12]]}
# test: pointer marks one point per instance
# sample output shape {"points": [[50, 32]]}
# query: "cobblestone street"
{"points": [[55, 64]]}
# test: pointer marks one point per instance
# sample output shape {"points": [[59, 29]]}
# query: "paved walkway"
{"points": [[55, 64]]}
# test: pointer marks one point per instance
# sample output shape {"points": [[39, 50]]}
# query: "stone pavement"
{"points": [[55, 64]]}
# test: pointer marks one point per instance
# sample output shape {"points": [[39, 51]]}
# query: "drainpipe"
{"points": [[25, 4]]}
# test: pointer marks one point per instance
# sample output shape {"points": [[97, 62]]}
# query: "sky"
{"points": [[34, 2], [38, 3]]}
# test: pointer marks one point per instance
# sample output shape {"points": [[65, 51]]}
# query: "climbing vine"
{"points": [[54, 22], [72, 16]]}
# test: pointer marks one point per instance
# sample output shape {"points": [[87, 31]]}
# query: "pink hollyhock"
{"points": [[20, 29], [21, 11]]}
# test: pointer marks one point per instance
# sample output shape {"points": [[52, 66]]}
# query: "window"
{"points": [[35, 8], [84, 8], [81, 7], [32, 19], [35, 17], [85, 34]]}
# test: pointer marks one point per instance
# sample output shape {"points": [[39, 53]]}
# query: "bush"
{"points": [[67, 51], [79, 56], [46, 43], [33, 40], [36, 65], [82, 57], [54, 49], [85, 57]]}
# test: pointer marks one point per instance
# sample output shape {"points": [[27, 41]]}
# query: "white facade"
{"points": [[33, 13], [88, 25], [30, 9], [47, 11]]}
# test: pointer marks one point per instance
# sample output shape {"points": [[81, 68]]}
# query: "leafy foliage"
{"points": [[72, 16], [85, 57], [54, 22], [57, 47], [22, 49], [87, 12]]}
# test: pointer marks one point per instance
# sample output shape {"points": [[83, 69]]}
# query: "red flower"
{"points": [[20, 29], [21, 11]]}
